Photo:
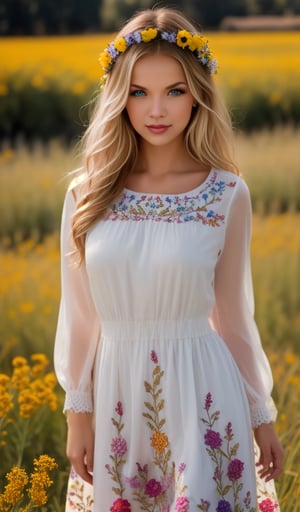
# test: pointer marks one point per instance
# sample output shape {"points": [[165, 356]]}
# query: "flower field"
{"points": [[32, 185], [45, 81]]}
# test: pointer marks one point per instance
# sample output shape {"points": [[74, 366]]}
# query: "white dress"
{"points": [[156, 335]]}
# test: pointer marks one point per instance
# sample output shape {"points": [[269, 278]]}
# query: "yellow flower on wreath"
{"points": [[184, 39], [120, 44], [198, 42], [159, 441], [105, 60], [148, 34]]}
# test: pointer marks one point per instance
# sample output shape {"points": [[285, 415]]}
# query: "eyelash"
{"points": [[139, 92]]}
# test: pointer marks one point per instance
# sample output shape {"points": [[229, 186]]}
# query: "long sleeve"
{"points": [[78, 326], [233, 314]]}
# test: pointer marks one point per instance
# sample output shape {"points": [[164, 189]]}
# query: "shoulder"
{"points": [[235, 184]]}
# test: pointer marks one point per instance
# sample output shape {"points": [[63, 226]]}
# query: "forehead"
{"points": [[158, 68]]}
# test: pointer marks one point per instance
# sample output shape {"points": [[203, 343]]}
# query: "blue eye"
{"points": [[137, 92], [176, 92]]}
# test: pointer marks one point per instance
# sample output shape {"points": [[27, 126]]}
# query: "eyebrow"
{"points": [[171, 86]]}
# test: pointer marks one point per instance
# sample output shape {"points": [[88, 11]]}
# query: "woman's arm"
{"points": [[233, 319]]}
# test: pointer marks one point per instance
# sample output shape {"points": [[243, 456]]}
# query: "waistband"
{"points": [[155, 329]]}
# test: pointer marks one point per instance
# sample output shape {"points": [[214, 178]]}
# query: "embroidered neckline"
{"points": [[195, 205]]}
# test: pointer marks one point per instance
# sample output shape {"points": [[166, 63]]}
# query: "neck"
{"points": [[159, 161]]}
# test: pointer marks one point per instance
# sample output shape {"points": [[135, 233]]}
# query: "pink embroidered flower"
{"points": [[154, 358], [120, 505], [133, 482], [182, 467], [213, 439], [153, 488], [119, 409], [267, 505], [119, 446], [204, 505], [208, 401], [182, 504], [235, 469], [228, 430]]}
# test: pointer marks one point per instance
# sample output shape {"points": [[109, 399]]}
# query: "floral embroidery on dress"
{"points": [[228, 467], [79, 494], [194, 206], [152, 494], [157, 492]]}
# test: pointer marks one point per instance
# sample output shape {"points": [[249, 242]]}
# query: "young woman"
{"points": [[166, 381]]}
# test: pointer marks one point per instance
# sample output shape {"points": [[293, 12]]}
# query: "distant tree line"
{"points": [[34, 17]]}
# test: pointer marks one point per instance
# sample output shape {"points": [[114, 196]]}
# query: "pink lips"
{"points": [[158, 128]]}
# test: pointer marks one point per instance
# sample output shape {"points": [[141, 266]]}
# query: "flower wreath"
{"points": [[195, 43]]}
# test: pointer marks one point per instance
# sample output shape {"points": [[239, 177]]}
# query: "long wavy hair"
{"points": [[110, 145]]}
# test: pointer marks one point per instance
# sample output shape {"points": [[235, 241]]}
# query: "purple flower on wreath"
{"points": [[213, 439], [208, 401], [119, 409], [168, 36], [113, 52], [153, 488], [154, 357], [182, 504], [119, 446], [224, 506], [235, 469]]}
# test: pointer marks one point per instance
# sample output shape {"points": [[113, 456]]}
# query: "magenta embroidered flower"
{"points": [[208, 401], [228, 430], [133, 482], [267, 505], [204, 505], [224, 506], [119, 409], [213, 439], [182, 504], [153, 488], [119, 446], [247, 500], [120, 505], [154, 357], [182, 467], [235, 469]]}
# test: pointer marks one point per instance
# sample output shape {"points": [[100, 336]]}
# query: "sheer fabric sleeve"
{"points": [[78, 326], [233, 314]]}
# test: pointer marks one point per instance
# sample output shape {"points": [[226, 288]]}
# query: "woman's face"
{"points": [[160, 103]]}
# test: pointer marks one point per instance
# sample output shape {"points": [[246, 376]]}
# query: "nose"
{"points": [[157, 107]]}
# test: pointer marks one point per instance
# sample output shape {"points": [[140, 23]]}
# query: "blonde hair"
{"points": [[110, 145]]}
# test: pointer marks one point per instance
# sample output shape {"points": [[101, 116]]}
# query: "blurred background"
{"points": [[49, 78]]}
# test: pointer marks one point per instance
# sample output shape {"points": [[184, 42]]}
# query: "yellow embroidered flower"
{"points": [[105, 59], [120, 45], [148, 34], [159, 441], [184, 38], [198, 42]]}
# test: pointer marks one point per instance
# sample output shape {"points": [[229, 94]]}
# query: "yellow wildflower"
{"points": [[19, 361], [27, 307], [6, 403], [14, 490], [40, 363], [159, 441], [184, 38], [40, 479], [148, 34], [105, 59], [120, 44]]}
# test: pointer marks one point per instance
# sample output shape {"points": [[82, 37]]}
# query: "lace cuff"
{"points": [[78, 401], [262, 413]]}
